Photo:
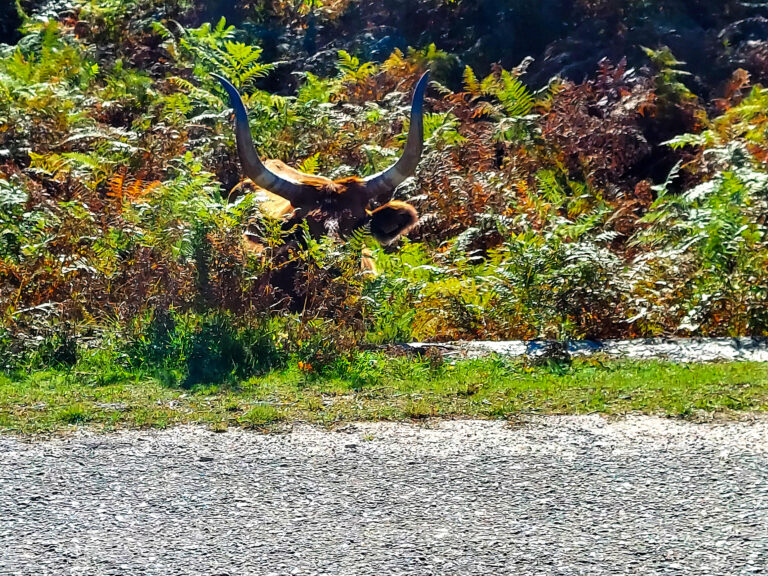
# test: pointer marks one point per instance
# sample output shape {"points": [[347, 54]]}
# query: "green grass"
{"points": [[373, 387]]}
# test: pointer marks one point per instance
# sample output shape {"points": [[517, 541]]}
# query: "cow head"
{"points": [[334, 207]]}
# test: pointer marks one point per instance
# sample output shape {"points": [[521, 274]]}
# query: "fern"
{"points": [[550, 188], [351, 69], [669, 86], [442, 129], [693, 140], [239, 62], [311, 164], [514, 96], [471, 83]]}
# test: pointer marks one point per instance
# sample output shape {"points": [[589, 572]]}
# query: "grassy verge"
{"points": [[378, 388]]}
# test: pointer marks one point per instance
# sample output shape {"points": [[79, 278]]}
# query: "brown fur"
{"points": [[334, 207], [367, 263], [392, 220]]}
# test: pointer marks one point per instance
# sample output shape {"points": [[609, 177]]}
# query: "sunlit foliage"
{"points": [[623, 205]]}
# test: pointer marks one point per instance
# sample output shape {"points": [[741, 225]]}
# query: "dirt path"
{"points": [[571, 495]]}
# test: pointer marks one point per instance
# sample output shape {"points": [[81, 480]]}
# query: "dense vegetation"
{"points": [[629, 203]]}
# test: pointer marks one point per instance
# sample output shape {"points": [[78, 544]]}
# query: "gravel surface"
{"points": [[672, 349], [554, 495]]}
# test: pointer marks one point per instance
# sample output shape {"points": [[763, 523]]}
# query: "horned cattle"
{"points": [[333, 207]]}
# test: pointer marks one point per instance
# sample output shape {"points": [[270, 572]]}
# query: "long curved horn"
{"points": [[386, 181], [249, 156]]}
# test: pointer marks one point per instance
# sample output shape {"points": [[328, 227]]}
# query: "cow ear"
{"points": [[392, 220]]}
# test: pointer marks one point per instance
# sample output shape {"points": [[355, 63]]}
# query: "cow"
{"points": [[333, 207]]}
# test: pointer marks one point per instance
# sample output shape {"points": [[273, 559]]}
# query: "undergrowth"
{"points": [[624, 205]]}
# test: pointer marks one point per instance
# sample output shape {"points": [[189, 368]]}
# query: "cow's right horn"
{"points": [[249, 156]]}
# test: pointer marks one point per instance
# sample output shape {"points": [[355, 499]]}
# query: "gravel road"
{"points": [[556, 495], [672, 349]]}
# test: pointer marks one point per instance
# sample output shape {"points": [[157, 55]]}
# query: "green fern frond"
{"points": [[311, 165], [514, 96], [471, 83]]}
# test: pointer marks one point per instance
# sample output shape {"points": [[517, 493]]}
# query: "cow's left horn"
{"points": [[384, 183]]}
